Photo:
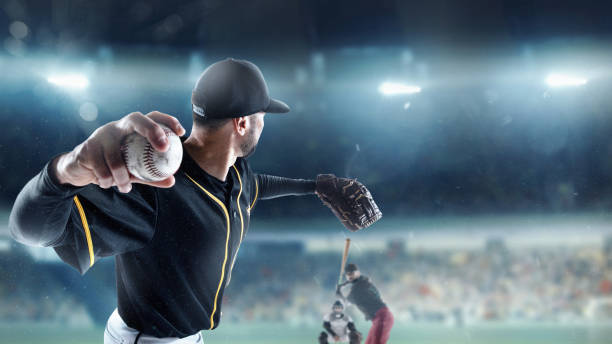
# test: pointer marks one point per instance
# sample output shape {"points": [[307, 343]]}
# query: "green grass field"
{"points": [[280, 333]]}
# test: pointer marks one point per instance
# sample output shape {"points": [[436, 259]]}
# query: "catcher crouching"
{"points": [[339, 327]]}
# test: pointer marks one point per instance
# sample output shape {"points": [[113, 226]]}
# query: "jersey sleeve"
{"points": [[83, 224], [263, 186], [273, 186], [326, 318]]}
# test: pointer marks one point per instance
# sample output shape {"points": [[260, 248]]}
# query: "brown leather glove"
{"points": [[349, 200]]}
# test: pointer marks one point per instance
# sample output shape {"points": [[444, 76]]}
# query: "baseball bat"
{"points": [[347, 244]]}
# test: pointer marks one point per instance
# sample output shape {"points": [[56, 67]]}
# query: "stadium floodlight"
{"points": [[392, 88], [73, 81], [560, 80]]}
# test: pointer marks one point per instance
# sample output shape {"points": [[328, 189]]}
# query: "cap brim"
{"points": [[276, 106]]}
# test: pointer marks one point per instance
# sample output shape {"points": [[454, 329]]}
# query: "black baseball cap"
{"points": [[233, 88], [351, 268]]}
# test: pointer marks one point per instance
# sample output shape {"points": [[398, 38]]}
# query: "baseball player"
{"points": [[339, 327], [175, 240], [366, 297]]}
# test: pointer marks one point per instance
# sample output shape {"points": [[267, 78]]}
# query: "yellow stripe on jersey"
{"points": [[86, 229], [256, 194], [238, 201], [227, 218], [241, 219]]}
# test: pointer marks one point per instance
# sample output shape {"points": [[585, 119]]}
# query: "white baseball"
{"points": [[145, 162]]}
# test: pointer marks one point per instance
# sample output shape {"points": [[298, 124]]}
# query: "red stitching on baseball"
{"points": [[148, 158], [150, 164], [124, 152]]}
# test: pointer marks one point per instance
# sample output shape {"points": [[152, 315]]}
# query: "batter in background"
{"points": [[363, 294]]}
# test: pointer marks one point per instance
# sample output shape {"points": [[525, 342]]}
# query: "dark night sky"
{"points": [[309, 24], [461, 148]]}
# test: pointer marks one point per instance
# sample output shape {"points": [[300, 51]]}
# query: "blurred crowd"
{"points": [[32, 292], [563, 284], [536, 285], [286, 283]]}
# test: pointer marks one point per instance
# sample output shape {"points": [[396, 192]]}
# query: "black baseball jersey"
{"points": [[365, 296], [174, 248]]}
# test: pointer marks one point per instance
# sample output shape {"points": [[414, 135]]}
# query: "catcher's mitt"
{"points": [[355, 337], [349, 200]]}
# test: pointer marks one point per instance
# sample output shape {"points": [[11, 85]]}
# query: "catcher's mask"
{"points": [[338, 306]]}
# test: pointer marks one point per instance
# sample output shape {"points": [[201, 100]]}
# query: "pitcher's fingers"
{"points": [[166, 183], [99, 168], [116, 165], [169, 121], [148, 128]]}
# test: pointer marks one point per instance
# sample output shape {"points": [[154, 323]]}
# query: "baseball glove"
{"points": [[355, 337], [349, 200]]}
